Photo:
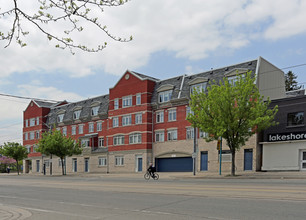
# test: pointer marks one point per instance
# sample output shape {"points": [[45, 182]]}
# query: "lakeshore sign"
{"points": [[291, 136]]}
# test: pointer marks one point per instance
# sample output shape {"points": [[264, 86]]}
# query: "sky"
{"points": [[170, 38]]}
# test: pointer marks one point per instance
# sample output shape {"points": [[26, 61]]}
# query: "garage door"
{"points": [[176, 164]]}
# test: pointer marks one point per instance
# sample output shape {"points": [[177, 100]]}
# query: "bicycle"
{"points": [[148, 175]]}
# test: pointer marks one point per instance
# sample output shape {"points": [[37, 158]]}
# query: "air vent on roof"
{"points": [[211, 72], [190, 77], [178, 78], [250, 63], [226, 69]]}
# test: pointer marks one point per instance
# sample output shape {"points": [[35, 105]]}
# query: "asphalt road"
{"points": [[72, 197]]}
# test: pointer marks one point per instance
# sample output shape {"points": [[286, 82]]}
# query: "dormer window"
{"points": [[60, 118], [234, 79], [234, 75], [165, 96], [200, 87], [95, 110], [76, 114]]}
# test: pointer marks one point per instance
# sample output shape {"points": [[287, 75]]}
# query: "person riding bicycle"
{"points": [[152, 170]]}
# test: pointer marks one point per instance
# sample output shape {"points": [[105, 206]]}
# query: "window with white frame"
{"points": [[226, 156], [95, 110], [101, 142], [188, 111], [138, 118], [58, 129], [65, 131], [164, 96], [203, 134], [60, 118], [116, 104], [127, 101], [115, 122], [189, 133], [160, 117], [27, 123], [200, 87], [159, 136], [32, 122], [34, 148], [32, 135], [119, 161], [138, 99], [172, 115], [99, 126], [25, 136], [76, 114], [234, 79], [37, 134], [60, 162], [102, 161], [47, 163], [73, 130], [135, 138], [91, 127], [28, 148], [37, 120], [118, 140], [81, 129], [126, 120], [85, 142], [172, 135]]}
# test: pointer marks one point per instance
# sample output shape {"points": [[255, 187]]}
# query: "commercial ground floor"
{"points": [[171, 156], [284, 156]]}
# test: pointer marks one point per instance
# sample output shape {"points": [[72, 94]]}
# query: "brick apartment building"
{"points": [[143, 120]]}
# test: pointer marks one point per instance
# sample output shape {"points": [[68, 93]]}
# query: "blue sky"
{"points": [[170, 38]]}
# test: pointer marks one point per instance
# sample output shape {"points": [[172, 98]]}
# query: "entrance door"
{"points": [[204, 161], [139, 164], [86, 169], [303, 160], [248, 159], [37, 166], [75, 165]]}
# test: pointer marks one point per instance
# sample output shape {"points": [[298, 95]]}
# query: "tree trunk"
{"points": [[233, 163], [62, 166]]}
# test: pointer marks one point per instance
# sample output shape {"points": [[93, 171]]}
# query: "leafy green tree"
{"points": [[290, 82], [55, 143], [74, 15], [15, 151], [233, 111]]}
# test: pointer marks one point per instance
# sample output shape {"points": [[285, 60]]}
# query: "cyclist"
{"points": [[152, 170]]}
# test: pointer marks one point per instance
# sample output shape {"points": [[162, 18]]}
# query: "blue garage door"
{"points": [[174, 164]]}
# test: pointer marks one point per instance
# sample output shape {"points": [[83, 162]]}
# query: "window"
{"points": [[188, 111], [116, 104], [296, 118], [115, 122], [25, 136], [32, 134], [27, 123], [60, 118], [91, 127], [60, 162], [172, 135], [95, 110], [81, 128], [126, 101], [126, 120], [73, 130], [32, 121], [76, 114], [189, 133], [138, 99], [138, 118], [118, 140], [47, 163], [85, 142], [101, 142], [135, 138], [164, 96], [37, 121], [99, 126], [234, 79], [203, 134], [37, 134], [159, 136], [226, 156], [65, 131], [34, 148], [172, 115], [160, 117], [200, 87], [102, 161], [119, 161], [28, 149]]}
